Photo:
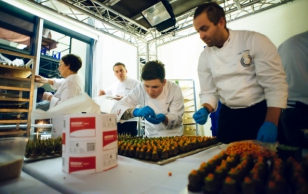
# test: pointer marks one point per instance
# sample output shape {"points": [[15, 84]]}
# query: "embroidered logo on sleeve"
{"points": [[246, 59]]}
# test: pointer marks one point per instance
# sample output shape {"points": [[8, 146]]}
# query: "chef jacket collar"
{"points": [[226, 42]]}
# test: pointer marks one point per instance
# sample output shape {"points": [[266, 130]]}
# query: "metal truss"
{"points": [[234, 9], [117, 25]]}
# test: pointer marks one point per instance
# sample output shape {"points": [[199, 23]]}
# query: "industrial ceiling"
{"points": [[123, 19]]}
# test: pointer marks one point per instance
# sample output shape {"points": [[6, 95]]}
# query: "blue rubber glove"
{"points": [[267, 132], [201, 116], [156, 120], [144, 112]]}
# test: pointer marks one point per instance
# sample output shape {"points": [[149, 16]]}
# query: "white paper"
{"points": [[78, 104], [110, 97], [104, 103]]}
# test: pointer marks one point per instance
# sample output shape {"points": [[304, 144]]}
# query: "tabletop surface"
{"points": [[25, 184], [130, 176]]}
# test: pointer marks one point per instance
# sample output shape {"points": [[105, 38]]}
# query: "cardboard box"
{"points": [[89, 143]]}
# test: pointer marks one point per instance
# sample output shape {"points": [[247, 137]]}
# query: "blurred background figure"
{"points": [[40, 102], [294, 119]]}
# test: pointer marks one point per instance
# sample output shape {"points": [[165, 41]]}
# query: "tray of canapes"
{"points": [[163, 150], [250, 168], [43, 149]]}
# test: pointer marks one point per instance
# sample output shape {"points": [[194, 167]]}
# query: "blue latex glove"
{"points": [[201, 116], [267, 132], [156, 120], [144, 112]]}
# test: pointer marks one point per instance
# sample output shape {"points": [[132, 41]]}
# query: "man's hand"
{"points": [[144, 112], [47, 96], [156, 120], [267, 132], [101, 92], [201, 116], [40, 79], [118, 97]]}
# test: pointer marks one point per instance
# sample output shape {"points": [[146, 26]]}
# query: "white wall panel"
{"points": [[109, 51]]}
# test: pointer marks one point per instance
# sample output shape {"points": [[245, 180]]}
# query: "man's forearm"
{"points": [[128, 114], [273, 114], [50, 81]]}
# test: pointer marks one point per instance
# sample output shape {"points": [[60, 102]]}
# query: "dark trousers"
{"points": [[129, 128], [240, 124], [292, 122]]}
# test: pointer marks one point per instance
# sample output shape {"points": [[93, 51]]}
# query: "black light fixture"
{"points": [[160, 15]]}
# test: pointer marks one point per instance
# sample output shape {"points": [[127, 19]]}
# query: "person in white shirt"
{"points": [[294, 119], [69, 86], [157, 100], [120, 89], [243, 70]]}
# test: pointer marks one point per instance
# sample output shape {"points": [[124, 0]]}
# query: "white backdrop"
{"points": [[108, 51]]}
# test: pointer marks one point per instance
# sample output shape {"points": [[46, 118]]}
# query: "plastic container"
{"points": [[12, 151]]}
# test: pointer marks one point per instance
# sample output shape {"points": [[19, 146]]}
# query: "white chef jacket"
{"points": [[66, 89], [245, 71], [122, 88], [170, 103], [294, 57]]}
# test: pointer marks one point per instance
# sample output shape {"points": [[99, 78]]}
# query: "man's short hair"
{"points": [[153, 70], [213, 10], [74, 61], [117, 64]]}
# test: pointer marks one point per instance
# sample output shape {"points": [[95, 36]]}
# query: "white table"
{"points": [[130, 176], [25, 184]]}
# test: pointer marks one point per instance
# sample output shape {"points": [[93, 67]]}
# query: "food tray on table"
{"points": [[168, 160], [43, 149], [37, 158], [164, 150]]}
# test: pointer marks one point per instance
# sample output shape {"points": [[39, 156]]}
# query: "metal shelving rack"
{"points": [[190, 105], [16, 97]]}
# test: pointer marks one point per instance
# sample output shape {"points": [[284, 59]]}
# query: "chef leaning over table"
{"points": [[243, 70], [159, 101]]}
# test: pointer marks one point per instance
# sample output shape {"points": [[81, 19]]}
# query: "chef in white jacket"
{"points": [[124, 84], [159, 101], [68, 87], [118, 90], [243, 70]]}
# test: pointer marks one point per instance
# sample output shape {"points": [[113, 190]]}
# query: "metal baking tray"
{"points": [[171, 159]]}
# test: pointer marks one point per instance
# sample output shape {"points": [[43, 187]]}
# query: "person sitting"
{"points": [[40, 103], [69, 86]]}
